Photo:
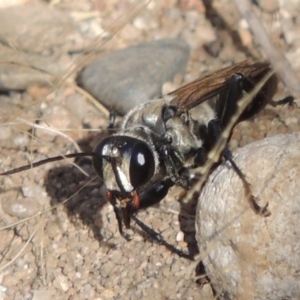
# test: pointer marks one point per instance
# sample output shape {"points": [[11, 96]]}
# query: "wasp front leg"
{"points": [[148, 198], [126, 208]]}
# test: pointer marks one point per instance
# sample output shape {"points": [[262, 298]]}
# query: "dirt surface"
{"points": [[59, 236]]}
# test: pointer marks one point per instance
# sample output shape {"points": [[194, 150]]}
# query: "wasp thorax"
{"points": [[124, 163]]}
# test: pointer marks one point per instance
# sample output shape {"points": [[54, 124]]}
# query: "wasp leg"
{"points": [[171, 168], [157, 237], [201, 157], [263, 211], [119, 218], [214, 129], [122, 215], [287, 100], [169, 158], [226, 106], [148, 198]]}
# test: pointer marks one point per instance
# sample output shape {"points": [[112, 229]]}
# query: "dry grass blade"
{"points": [[78, 63], [213, 157], [277, 59], [98, 43], [21, 250]]}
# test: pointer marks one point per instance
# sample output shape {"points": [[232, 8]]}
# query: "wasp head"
{"points": [[124, 163]]}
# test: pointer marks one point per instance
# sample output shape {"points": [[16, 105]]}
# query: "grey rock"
{"points": [[19, 70], [35, 28], [134, 75], [31, 37], [246, 255]]}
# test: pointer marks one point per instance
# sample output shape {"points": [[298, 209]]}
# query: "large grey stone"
{"points": [[134, 75], [247, 256]]}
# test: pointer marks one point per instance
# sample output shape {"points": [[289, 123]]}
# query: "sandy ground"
{"points": [[51, 247]]}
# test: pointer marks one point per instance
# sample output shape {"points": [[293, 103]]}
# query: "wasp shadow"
{"points": [[82, 198]]}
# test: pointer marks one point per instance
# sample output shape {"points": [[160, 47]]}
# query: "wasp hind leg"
{"points": [[226, 108], [263, 211], [215, 131], [287, 100]]}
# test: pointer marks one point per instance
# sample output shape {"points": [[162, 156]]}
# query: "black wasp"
{"points": [[161, 140]]}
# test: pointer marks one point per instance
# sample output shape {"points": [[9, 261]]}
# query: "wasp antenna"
{"points": [[45, 161]]}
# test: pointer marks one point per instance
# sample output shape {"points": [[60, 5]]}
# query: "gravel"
{"points": [[73, 250]]}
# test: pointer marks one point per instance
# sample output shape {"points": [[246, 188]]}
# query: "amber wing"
{"points": [[202, 89]]}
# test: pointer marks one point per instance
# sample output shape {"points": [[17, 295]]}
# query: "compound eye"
{"points": [[98, 157], [141, 167]]}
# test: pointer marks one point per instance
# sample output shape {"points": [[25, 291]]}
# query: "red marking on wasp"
{"points": [[136, 199]]}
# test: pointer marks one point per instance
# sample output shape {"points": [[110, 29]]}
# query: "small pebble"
{"points": [[63, 282], [179, 236], [20, 208]]}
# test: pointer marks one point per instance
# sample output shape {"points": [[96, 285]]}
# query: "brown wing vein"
{"points": [[202, 89]]}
